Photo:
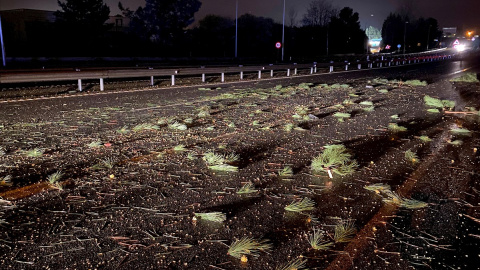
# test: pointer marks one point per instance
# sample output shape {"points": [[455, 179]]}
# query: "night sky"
{"points": [[460, 13]]}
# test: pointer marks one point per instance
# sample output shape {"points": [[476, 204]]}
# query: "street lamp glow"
{"points": [[460, 48]]}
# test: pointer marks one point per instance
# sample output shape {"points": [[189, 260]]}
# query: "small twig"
{"points": [[451, 112]]}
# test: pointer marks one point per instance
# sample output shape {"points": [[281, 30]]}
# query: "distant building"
{"points": [[119, 23], [449, 31], [33, 32], [17, 23]]}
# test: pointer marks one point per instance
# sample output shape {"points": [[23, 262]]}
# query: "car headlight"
{"points": [[460, 48]]}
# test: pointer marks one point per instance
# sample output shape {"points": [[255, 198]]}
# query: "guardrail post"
{"points": [[359, 66], [271, 73], [241, 75], [173, 80], [380, 64], [259, 74], [331, 69], [203, 77], [288, 72], [295, 71], [80, 85], [315, 69], [223, 77], [101, 84], [311, 70], [346, 66], [151, 80]]}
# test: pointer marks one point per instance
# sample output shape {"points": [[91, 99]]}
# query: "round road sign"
{"points": [[278, 45]]}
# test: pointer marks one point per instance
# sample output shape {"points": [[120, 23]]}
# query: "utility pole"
{"points": [[1, 44], [328, 29], [428, 36], [283, 31], [236, 29], [404, 37]]}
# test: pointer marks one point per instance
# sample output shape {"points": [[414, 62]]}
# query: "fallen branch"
{"points": [[451, 112]]}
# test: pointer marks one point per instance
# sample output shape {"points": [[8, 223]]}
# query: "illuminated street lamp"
{"points": [[469, 33]]}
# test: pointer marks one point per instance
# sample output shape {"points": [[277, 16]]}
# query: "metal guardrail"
{"points": [[289, 69]]}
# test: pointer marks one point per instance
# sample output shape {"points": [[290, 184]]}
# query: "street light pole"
{"points": [[428, 36], [236, 29], [283, 31], [404, 37], [1, 44]]}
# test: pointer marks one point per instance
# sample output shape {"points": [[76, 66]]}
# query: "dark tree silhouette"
{"points": [[346, 34], [319, 13], [163, 22], [417, 33], [257, 36], [82, 24], [214, 36], [393, 30]]}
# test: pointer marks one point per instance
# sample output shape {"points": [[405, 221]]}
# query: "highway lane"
{"points": [[46, 108]]}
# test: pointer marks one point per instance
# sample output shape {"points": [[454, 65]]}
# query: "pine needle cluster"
{"points": [[145, 126], [54, 179], [411, 156], [288, 127], [286, 172], [123, 130], [6, 181], [179, 148], [461, 131], [425, 139], [398, 200], [248, 188], [248, 246], [342, 116], [36, 152], [301, 110], [366, 103], [437, 103], [377, 188], [300, 206], [394, 198], [295, 264], [317, 241], [468, 77], [177, 126], [344, 232], [415, 83], [336, 159], [393, 127], [218, 162], [213, 216]]}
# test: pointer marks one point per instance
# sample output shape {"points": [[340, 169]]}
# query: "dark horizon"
{"points": [[461, 14]]}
